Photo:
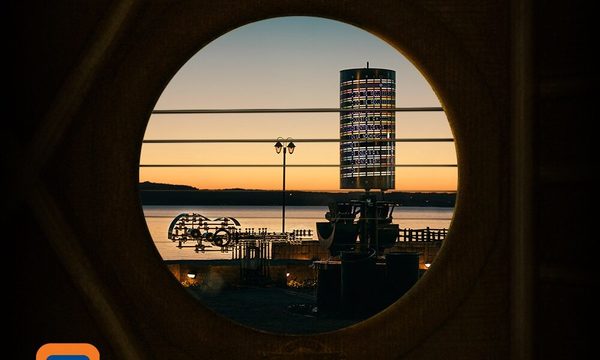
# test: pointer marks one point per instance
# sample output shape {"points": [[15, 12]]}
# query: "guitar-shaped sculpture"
{"points": [[199, 228]]}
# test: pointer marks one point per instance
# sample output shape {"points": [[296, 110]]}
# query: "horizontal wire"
{"points": [[280, 165], [200, 141], [294, 217], [292, 110], [300, 191], [345, 192]]}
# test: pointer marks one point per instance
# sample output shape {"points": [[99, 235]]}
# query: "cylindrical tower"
{"points": [[367, 146]]}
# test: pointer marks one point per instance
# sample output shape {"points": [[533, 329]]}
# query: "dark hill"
{"points": [[151, 186], [167, 194]]}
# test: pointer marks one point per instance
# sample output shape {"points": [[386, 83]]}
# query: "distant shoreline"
{"points": [[168, 194]]}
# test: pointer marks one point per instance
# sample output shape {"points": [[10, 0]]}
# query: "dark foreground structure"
{"points": [[363, 278], [512, 77]]}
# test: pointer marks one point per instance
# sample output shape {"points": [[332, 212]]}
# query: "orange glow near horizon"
{"points": [[407, 178], [323, 179]]}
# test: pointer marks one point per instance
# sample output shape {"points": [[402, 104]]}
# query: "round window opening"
{"points": [[298, 175]]}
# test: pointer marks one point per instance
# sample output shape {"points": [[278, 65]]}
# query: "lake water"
{"points": [[159, 218]]}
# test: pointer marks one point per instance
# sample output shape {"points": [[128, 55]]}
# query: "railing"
{"points": [[422, 235], [254, 256]]}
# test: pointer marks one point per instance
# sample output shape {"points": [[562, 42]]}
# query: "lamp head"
{"points": [[278, 147], [291, 147]]}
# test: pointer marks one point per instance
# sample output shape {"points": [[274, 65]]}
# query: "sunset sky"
{"points": [[291, 62]]}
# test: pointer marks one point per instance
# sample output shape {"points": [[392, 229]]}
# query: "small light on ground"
{"points": [[287, 274], [427, 265]]}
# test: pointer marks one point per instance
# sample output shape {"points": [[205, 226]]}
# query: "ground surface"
{"points": [[268, 308]]}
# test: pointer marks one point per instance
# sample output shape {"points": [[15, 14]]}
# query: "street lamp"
{"points": [[288, 147]]}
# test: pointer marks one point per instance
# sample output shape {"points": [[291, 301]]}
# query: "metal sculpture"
{"points": [[196, 227], [373, 227]]}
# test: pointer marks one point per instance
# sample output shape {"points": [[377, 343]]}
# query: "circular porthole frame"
{"points": [[103, 147]]}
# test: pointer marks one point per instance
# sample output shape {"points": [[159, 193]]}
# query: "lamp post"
{"points": [[288, 147]]}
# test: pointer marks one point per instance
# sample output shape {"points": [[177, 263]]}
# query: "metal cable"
{"points": [[202, 141], [293, 110], [277, 166]]}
